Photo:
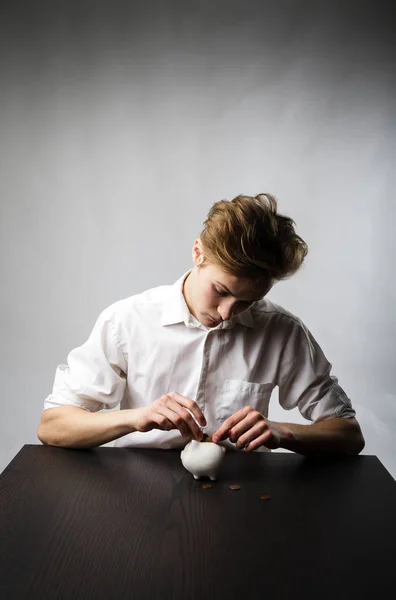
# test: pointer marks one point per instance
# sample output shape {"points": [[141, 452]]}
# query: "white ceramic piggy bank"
{"points": [[202, 458]]}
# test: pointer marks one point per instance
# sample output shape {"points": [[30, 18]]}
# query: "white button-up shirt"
{"points": [[149, 344]]}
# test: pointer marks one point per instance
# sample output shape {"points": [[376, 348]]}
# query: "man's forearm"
{"points": [[328, 436], [73, 427]]}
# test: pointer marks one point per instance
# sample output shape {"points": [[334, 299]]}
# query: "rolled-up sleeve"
{"points": [[305, 380], [94, 377]]}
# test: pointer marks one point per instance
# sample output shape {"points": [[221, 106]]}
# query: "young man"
{"points": [[205, 354]]}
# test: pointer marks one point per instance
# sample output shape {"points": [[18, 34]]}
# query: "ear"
{"points": [[197, 253]]}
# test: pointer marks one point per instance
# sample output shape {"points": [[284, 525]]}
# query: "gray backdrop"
{"points": [[122, 122]]}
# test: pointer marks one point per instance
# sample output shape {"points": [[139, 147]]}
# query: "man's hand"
{"points": [[171, 411], [74, 427], [249, 429]]}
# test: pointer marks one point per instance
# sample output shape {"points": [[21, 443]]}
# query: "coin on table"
{"points": [[265, 496], [234, 486], [206, 486]]}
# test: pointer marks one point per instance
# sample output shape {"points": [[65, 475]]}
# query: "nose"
{"points": [[226, 309]]}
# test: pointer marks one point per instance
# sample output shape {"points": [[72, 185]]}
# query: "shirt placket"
{"points": [[200, 397]]}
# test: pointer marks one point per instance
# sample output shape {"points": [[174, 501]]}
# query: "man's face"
{"points": [[216, 296]]}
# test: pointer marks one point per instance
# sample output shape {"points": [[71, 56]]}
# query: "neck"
{"points": [[187, 292]]}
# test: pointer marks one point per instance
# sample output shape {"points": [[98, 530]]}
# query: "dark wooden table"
{"points": [[127, 523]]}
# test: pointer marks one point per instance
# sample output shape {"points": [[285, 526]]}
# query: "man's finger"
{"points": [[266, 439], [223, 432], [163, 423], [190, 405], [188, 419], [246, 425], [182, 419], [253, 431], [176, 420]]}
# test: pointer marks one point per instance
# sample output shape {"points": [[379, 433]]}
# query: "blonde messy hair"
{"points": [[247, 237]]}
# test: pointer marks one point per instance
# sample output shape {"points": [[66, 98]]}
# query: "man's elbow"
{"points": [[41, 435], [356, 438], [47, 433], [45, 437], [360, 443]]}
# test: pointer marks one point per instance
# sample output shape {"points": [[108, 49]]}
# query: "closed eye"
{"points": [[241, 303], [220, 292]]}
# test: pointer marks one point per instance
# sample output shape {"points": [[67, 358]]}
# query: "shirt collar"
{"points": [[175, 310], [246, 318]]}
